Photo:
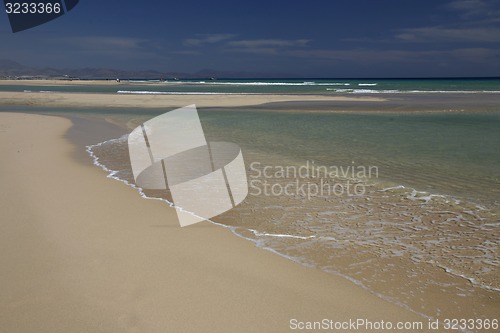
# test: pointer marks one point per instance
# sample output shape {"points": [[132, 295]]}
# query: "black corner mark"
{"points": [[26, 14]]}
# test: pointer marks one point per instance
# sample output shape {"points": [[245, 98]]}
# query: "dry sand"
{"points": [[80, 252]]}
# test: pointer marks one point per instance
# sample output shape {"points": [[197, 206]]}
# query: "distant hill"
{"points": [[9, 64], [11, 69]]}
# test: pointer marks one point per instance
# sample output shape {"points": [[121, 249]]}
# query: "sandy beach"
{"points": [[81, 252]]}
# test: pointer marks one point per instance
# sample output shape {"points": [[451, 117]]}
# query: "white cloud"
{"points": [[105, 45], [470, 8], [207, 39], [442, 34], [476, 22], [269, 43], [368, 55], [102, 43]]}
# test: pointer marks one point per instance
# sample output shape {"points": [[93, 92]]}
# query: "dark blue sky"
{"points": [[334, 38]]}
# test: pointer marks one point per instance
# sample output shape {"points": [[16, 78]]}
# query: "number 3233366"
{"points": [[32, 8]]}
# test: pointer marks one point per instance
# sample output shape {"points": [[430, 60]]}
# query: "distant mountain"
{"points": [[12, 69], [9, 64]]}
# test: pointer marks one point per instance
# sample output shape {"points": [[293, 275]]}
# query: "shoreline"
{"points": [[96, 254]]}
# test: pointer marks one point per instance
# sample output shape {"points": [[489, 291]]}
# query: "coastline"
{"points": [[82, 252]]}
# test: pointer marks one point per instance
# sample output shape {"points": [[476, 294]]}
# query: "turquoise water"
{"points": [[450, 153], [282, 86]]}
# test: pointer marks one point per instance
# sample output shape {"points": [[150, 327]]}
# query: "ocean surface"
{"points": [[404, 202]]}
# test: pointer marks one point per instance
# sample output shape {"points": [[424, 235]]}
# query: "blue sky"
{"points": [[335, 38]]}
